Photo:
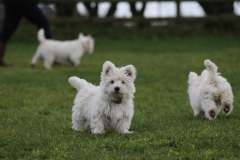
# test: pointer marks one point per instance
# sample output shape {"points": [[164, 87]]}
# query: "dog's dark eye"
{"points": [[112, 82], [123, 82]]}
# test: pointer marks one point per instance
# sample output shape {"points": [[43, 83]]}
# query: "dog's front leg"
{"points": [[97, 125], [124, 125], [75, 59]]}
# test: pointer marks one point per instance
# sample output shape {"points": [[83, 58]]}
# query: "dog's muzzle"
{"points": [[117, 94]]}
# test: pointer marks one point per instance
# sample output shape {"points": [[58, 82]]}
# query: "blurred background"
{"points": [[117, 18]]}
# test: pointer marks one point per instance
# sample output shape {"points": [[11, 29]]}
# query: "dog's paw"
{"points": [[212, 114], [33, 66], [125, 131], [97, 131], [80, 129], [226, 109], [207, 62]]}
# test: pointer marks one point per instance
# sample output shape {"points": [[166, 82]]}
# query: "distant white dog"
{"points": [[209, 93], [107, 105], [53, 51]]}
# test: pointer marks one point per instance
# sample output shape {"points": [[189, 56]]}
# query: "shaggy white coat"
{"points": [[53, 51], [107, 105], [209, 93]]}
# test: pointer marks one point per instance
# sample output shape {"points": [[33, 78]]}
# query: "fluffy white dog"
{"points": [[107, 105], [53, 51], [209, 93]]}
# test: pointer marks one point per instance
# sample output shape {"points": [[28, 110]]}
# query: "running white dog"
{"points": [[53, 51], [107, 105], [209, 93]]}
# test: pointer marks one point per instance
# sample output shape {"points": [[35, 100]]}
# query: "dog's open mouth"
{"points": [[117, 100], [117, 94]]}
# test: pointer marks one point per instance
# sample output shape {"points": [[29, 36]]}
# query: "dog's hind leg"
{"points": [[209, 107], [192, 78], [226, 102], [48, 61]]}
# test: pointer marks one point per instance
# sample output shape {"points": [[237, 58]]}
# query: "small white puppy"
{"points": [[107, 105], [209, 93], [53, 51]]}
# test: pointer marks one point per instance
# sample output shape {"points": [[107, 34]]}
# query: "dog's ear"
{"points": [[80, 35], [107, 68], [130, 71]]}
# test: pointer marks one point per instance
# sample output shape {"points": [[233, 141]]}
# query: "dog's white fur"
{"points": [[53, 51], [107, 105], [209, 93]]}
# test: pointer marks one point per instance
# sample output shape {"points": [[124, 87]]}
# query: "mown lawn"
{"points": [[35, 104]]}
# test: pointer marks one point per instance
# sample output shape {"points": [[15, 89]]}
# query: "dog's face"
{"points": [[87, 42], [117, 82]]}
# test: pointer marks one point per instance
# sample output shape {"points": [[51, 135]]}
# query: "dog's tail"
{"points": [[41, 36], [211, 68], [77, 83]]}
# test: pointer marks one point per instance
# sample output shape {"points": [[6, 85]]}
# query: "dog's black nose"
{"points": [[117, 89]]}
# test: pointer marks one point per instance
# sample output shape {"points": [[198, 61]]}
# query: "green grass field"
{"points": [[35, 104]]}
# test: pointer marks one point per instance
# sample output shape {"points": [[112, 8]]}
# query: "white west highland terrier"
{"points": [[209, 93], [107, 105], [53, 51]]}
